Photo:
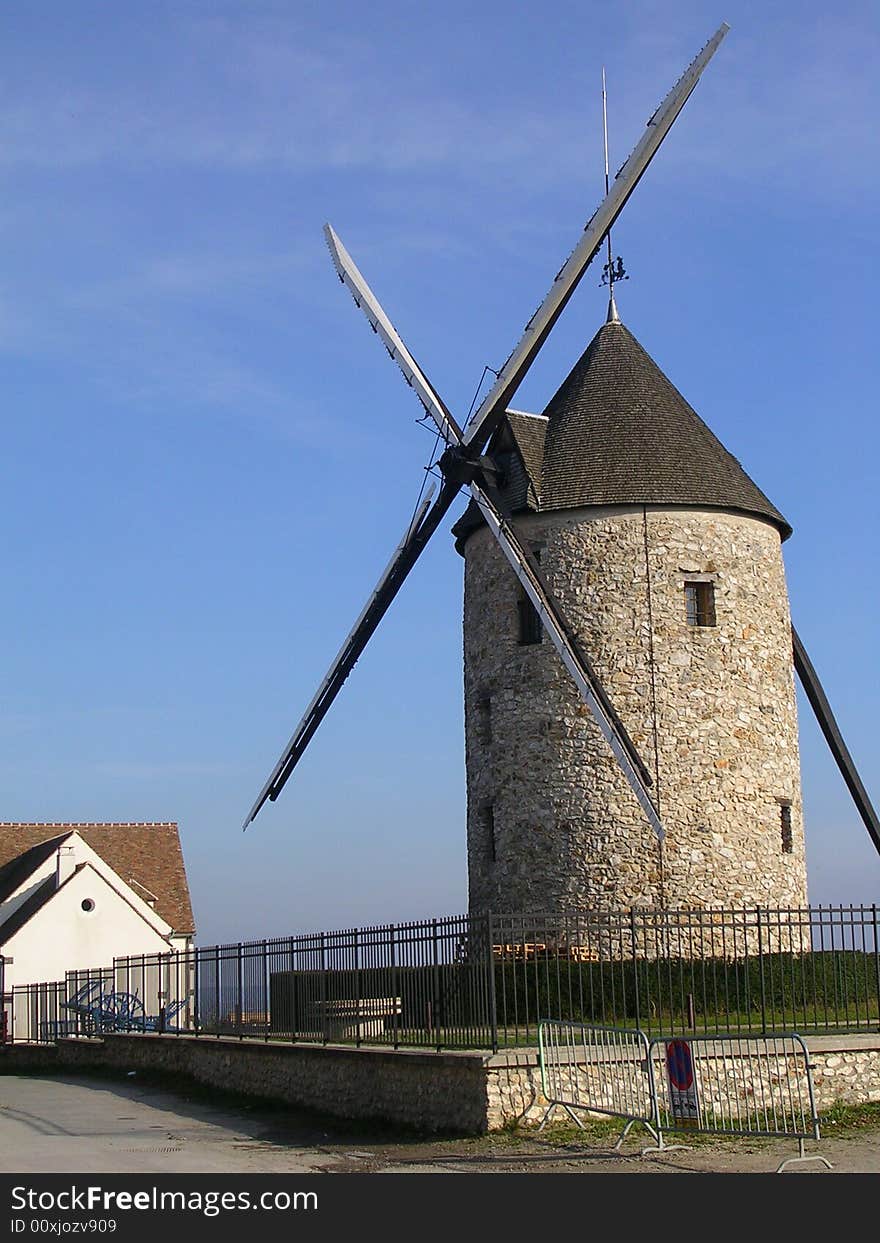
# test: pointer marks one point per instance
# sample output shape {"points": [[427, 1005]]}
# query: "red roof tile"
{"points": [[146, 854]]}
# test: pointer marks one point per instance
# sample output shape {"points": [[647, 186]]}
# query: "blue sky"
{"points": [[208, 459]]}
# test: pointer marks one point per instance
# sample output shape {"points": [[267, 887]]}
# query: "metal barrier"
{"points": [[724, 1085], [601, 1069], [736, 1085]]}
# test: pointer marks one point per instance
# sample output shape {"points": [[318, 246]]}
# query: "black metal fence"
{"points": [[485, 981]]}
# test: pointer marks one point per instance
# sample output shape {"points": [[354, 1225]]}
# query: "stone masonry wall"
{"points": [[430, 1091], [568, 832], [467, 1092], [845, 1069]]}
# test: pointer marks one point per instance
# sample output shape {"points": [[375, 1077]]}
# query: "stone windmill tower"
{"points": [[667, 560]]}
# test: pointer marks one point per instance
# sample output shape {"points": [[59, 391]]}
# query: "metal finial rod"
{"points": [[607, 181], [609, 273]]}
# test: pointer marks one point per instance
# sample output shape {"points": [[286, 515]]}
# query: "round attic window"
{"points": [[88, 904]]}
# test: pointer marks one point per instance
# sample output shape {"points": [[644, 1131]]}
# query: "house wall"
{"points": [[569, 834], [62, 937]]}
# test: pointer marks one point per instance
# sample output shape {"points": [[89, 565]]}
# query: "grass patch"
{"points": [[849, 1120]]}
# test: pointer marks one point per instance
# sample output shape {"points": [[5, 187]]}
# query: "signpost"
{"points": [[683, 1100]]}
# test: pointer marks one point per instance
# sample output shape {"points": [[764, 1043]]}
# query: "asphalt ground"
{"points": [[136, 1125]]}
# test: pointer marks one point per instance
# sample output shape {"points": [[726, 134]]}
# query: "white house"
{"points": [[77, 896]]}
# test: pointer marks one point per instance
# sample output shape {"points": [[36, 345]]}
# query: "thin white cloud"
{"points": [[172, 276], [243, 97]]}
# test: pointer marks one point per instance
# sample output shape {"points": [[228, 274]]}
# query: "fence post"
{"points": [[876, 957], [357, 982], [239, 1009], [217, 983], [266, 997], [490, 968], [435, 990], [197, 1022], [294, 984], [761, 969], [5, 1015], [632, 933], [398, 1015]]}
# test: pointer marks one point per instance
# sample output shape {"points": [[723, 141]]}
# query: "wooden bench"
{"points": [[348, 1018]]}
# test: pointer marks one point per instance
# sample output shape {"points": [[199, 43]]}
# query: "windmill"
{"points": [[468, 463]]}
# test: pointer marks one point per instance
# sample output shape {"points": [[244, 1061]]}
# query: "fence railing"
{"points": [[485, 981]]}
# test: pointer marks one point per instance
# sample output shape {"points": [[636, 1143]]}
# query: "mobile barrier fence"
{"points": [[736, 1085], [599, 1069], [482, 981], [722, 1085]]}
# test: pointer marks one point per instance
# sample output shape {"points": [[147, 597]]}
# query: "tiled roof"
{"points": [[529, 432], [618, 432], [14, 872], [28, 909], [621, 433], [145, 854]]}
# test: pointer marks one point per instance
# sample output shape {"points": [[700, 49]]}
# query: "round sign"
{"points": [[679, 1064]]}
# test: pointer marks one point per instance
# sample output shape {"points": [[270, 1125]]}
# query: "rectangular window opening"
{"points": [[699, 601], [785, 828]]}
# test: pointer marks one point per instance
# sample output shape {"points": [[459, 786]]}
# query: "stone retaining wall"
{"points": [[430, 1091], [466, 1092], [845, 1069]]}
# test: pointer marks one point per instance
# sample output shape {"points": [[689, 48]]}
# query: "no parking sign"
{"points": [[683, 1101]]}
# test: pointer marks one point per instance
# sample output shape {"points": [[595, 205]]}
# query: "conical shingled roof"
{"points": [[620, 433]]}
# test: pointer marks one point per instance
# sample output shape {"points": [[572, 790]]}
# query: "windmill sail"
{"points": [[827, 723], [417, 534], [513, 547], [492, 408], [351, 277], [462, 464], [572, 655]]}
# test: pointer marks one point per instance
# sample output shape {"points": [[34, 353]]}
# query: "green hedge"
{"points": [[835, 986]]}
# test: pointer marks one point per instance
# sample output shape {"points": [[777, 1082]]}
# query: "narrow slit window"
{"points": [[785, 828], [484, 719], [699, 599], [530, 628]]}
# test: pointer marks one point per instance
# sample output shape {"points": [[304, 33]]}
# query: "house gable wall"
{"points": [[83, 853], [62, 937]]}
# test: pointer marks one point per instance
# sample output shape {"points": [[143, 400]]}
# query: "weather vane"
{"points": [[613, 269]]}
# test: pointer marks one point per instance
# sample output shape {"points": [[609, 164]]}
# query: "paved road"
{"points": [[86, 1126], [105, 1126]]}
